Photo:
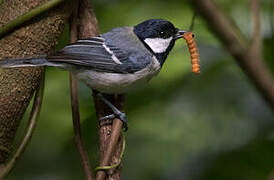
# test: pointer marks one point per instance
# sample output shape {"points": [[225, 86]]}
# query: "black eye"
{"points": [[163, 34]]}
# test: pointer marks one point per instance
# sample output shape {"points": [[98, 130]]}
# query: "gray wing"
{"points": [[95, 53]]}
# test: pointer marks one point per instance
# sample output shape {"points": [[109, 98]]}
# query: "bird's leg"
{"points": [[116, 112], [111, 116]]}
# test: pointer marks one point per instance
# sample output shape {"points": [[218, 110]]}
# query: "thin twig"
{"points": [[36, 107], [75, 105], [250, 63], [10, 26], [256, 45], [77, 133], [191, 27]]}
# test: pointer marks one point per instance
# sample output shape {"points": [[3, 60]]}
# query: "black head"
{"points": [[155, 28], [158, 36]]}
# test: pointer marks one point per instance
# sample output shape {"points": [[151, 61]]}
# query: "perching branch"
{"points": [[75, 105], [113, 157], [36, 107], [110, 137], [250, 62]]}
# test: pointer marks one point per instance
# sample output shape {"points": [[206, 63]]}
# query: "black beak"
{"points": [[179, 34]]}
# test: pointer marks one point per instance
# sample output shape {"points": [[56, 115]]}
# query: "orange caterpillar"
{"points": [[193, 50]]}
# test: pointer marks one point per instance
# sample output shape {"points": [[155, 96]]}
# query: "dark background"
{"points": [[181, 126]]}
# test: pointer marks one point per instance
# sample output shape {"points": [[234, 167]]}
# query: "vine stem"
{"points": [[10, 26], [104, 168], [75, 103]]}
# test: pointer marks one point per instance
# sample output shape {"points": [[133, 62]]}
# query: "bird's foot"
{"points": [[116, 112], [121, 116]]}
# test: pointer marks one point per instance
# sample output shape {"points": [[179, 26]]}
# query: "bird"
{"points": [[115, 62]]}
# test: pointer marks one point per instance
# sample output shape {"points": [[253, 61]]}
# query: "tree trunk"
{"points": [[37, 37]]}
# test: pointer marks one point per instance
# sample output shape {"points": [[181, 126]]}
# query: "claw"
{"points": [[120, 115], [123, 118], [116, 112]]}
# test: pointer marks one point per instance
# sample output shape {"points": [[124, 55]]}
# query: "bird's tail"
{"points": [[26, 62]]}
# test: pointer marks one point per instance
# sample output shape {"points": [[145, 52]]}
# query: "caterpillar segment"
{"points": [[193, 50]]}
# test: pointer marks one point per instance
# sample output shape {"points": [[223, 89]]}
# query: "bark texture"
{"points": [[37, 37]]}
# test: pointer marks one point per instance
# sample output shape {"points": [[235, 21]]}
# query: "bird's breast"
{"points": [[115, 83]]}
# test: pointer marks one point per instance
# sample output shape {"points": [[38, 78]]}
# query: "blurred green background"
{"points": [[181, 126]]}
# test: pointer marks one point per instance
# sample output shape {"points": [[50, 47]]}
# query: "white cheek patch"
{"points": [[158, 45]]}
